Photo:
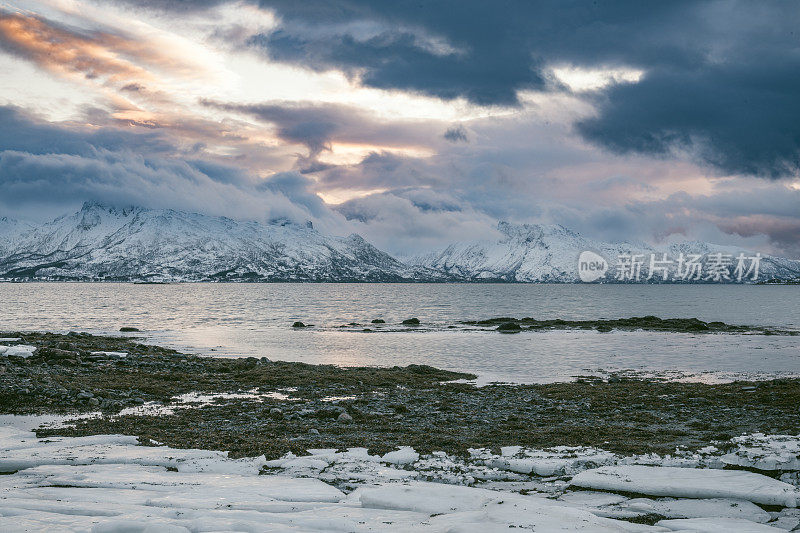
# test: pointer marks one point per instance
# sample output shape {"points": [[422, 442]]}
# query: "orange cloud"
{"points": [[92, 55], [125, 62]]}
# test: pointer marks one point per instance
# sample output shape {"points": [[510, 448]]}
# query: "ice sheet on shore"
{"points": [[112, 354], [689, 483], [17, 350], [559, 460], [137, 495], [765, 452], [21, 449], [109, 483], [714, 507], [716, 525], [475, 509]]}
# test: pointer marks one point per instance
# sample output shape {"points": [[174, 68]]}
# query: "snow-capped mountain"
{"points": [[101, 243], [107, 243], [549, 253]]}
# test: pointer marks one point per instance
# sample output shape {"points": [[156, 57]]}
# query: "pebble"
{"points": [[345, 418], [276, 413], [313, 431]]}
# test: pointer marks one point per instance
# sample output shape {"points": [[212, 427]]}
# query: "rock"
{"points": [[276, 413], [128, 329], [411, 322], [367, 330], [138, 401], [313, 431], [83, 395], [602, 328], [298, 324], [379, 321], [509, 327], [344, 418], [55, 353], [94, 402]]}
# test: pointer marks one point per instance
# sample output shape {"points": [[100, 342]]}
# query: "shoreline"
{"points": [[255, 406]]}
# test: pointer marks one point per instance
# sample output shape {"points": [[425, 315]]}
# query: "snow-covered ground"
{"points": [[110, 483]]}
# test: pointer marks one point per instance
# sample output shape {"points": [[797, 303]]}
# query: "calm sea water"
{"points": [[234, 320]]}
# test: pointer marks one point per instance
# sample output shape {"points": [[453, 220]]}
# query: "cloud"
{"points": [[738, 119], [456, 134], [46, 168], [417, 220], [719, 79], [318, 125], [622, 121], [716, 79], [174, 5], [23, 132], [111, 57]]}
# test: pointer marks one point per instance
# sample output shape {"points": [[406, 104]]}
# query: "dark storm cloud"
{"points": [[479, 50], [742, 119], [722, 78]]}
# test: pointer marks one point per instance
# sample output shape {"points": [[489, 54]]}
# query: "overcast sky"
{"points": [[413, 123]]}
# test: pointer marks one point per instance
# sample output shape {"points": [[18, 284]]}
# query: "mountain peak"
{"points": [[532, 232], [93, 206]]}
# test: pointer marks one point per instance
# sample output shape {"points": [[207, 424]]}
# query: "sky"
{"points": [[412, 123]]}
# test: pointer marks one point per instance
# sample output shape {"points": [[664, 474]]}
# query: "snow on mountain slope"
{"points": [[135, 244], [106, 243], [9, 228], [549, 253]]}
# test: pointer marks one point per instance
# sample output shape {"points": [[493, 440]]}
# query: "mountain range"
{"points": [[103, 243], [549, 253]]}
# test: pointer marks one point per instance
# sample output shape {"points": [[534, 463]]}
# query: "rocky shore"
{"points": [[249, 406]]}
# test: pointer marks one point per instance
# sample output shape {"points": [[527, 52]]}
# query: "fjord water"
{"points": [[234, 320]]}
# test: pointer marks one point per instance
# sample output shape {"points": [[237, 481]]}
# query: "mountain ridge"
{"points": [[102, 243], [541, 253], [107, 243]]}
